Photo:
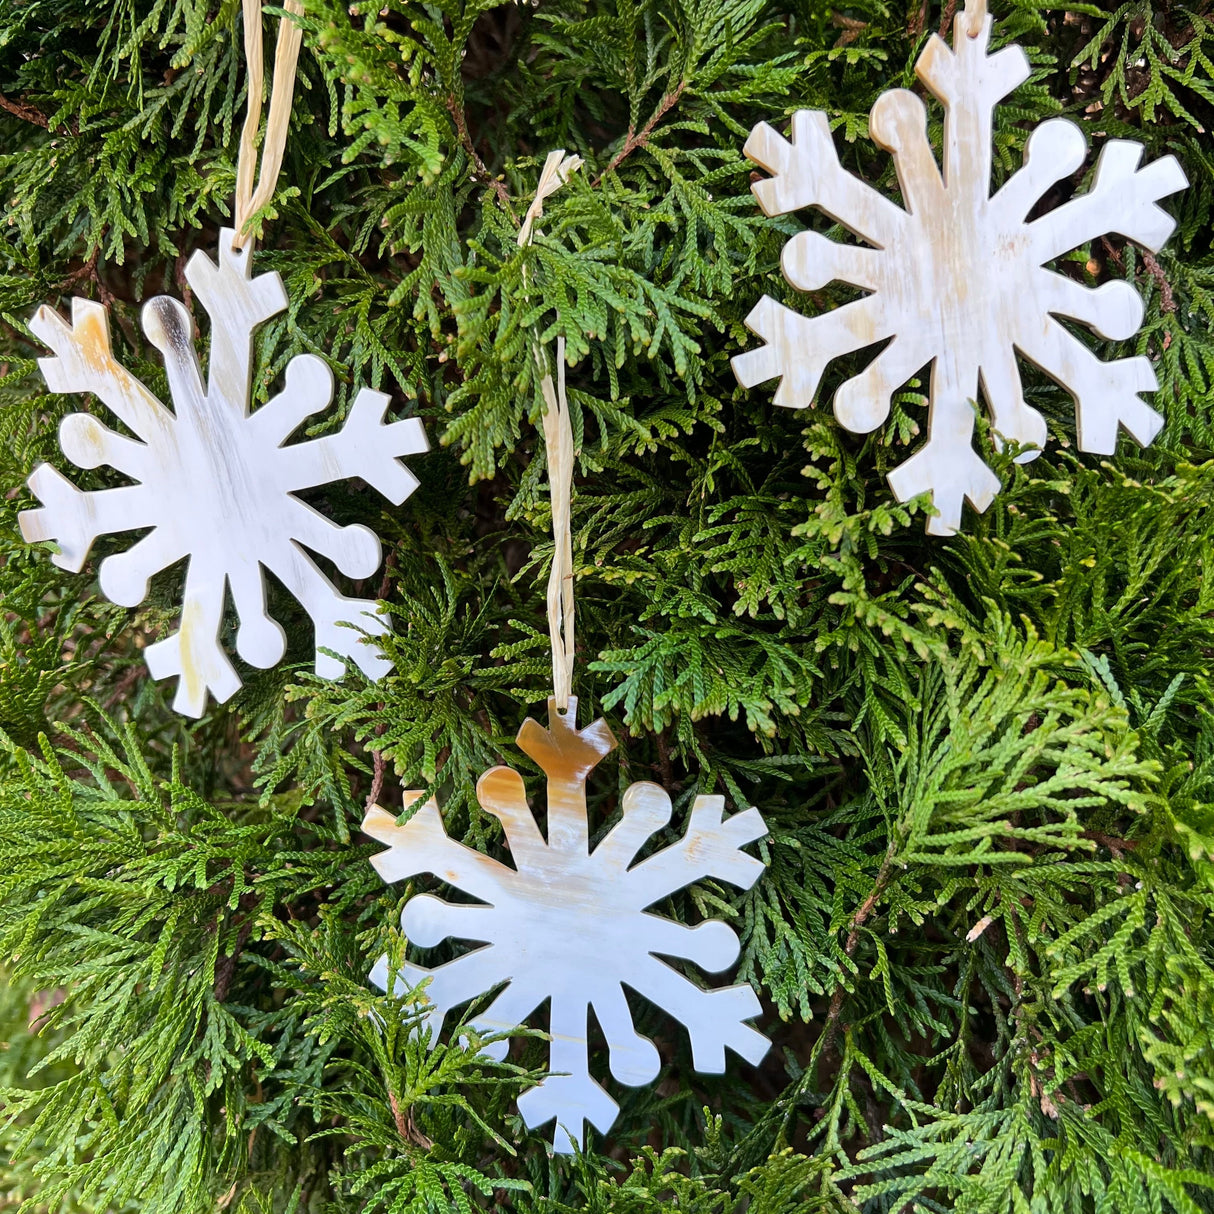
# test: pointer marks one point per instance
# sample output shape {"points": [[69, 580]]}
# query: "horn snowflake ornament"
{"points": [[960, 277], [572, 926], [214, 481]]}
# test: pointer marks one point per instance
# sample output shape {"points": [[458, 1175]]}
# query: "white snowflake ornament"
{"points": [[215, 482], [571, 925], [958, 278]]}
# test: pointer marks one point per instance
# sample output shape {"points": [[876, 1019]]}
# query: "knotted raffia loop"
{"points": [[558, 444], [286, 55]]}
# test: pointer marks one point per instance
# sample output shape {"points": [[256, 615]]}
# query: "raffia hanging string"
{"points": [[286, 55], [558, 444]]}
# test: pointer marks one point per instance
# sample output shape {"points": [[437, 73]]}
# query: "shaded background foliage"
{"points": [[987, 762]]}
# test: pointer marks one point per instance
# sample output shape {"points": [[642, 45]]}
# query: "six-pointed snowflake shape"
{"points": [[216, 482], [957, 278], [570, 925]]}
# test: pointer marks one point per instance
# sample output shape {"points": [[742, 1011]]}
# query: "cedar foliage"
{"points": [[983, 939]]}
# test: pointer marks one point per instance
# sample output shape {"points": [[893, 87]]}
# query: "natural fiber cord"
{"points": [[558, 442], [286, 55]]}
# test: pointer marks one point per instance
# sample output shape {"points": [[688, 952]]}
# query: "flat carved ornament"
{"points": [[958, 278], [215, 483], [572, 926]]}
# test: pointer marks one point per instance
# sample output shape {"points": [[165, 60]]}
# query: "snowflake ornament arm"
{"points": [[215, 483], [573, 927], [958, 278]]}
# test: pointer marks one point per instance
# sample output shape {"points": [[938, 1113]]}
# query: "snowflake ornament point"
{"points": [[571, 926], [958, 278], [216, 483]]}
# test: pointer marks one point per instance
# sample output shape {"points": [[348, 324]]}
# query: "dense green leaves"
{"points": [[987, 764]]}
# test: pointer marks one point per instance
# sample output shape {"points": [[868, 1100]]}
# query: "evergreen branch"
{"points": [[24, 111], [455, 109], [985, 927], [854, 927], [638, 139]]}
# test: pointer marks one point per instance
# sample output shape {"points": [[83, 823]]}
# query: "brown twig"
{"points": [[946, 18], [87, 269], [1167, 301], [31, 114], [25, 111], [378, 769], [665, 767], [461, 126], [225, 967], [124, 687], [1118, 847], [183, 285], [852, 28], [854, 925], [1112, 252], [635, 140], [406, 1127]]}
